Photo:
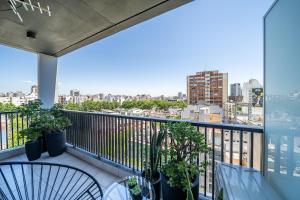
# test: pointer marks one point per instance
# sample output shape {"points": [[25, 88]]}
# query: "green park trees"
{"points": [[128, 104]]}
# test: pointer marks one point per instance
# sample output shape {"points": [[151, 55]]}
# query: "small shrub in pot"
{"points": [[33, 146], [49, 123], [132, 182], [136, 193], [180, 174], [54, 122]]}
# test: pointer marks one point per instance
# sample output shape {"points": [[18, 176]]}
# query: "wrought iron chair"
{"points": [[39, 180]]}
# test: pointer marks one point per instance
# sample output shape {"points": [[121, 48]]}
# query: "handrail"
{"points": [[237, 127], [256, 129], [9, 112]]}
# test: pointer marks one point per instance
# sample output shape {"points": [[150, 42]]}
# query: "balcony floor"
{"points": [[103, 177]]}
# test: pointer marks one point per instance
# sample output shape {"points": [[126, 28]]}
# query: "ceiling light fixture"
{"points": [[26, 4], [30, 35]]}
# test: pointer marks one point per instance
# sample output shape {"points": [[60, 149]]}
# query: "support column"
{"points": [[47, 71]]}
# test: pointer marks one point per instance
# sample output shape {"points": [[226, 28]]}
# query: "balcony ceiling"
{"points": [[75, 23]]}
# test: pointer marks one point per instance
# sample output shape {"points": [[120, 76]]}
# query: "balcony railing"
{"points": [[11, 123], [124, 141]]}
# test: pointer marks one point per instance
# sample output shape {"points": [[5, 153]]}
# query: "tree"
{"points": [[7, 107]]}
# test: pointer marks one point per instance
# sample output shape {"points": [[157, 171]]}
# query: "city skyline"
{"points": [[150, 61], [28, 91]]}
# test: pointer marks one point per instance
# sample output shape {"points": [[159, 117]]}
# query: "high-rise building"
{"points": [[247, 89], [34, 90], [74, 93], [235, 90], [180, 95], [208, 86]]}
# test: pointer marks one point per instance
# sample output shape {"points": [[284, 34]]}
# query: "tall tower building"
{"points": [[34, 90], [74, 93], [235, 90], [208, 86], [180, 95], [247, 89]]}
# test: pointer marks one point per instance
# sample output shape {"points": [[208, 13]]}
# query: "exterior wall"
{"points": [[237, 99], [203, 113], [247, 89], [230, 111], [188, 95], [208, 86], [282, 98], [235, 90], [225, 89]]}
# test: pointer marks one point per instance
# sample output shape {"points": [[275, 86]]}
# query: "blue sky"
{"points": [[156, 56]]}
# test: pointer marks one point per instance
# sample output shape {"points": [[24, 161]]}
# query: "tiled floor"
{"points": [[103, 177]]}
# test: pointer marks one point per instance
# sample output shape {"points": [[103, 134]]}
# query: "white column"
{"points": [[47, 71]]}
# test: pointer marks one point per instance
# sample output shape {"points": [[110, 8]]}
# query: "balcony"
{"points": [[110, 147], [118, 144]]}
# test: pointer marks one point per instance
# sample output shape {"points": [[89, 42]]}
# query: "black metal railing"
{"points": [[124, 140], [11, 123]]}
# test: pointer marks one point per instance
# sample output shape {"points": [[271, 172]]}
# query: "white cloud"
{"points": [[28, 81]]}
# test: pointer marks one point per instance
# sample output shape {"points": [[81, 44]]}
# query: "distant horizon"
{"points": [[82, 93], [156, 56]]}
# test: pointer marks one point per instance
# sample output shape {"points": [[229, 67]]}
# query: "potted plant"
{"points": [[151, 172], [180, 174], [31, 111], [136, 193], [33, 146], [54, 123], [32, 134], [49, 123], [132, 182]]}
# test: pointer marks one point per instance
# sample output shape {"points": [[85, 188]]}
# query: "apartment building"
{"points": [[230, 111], [235, 89], [207, 86], [203, 113]]}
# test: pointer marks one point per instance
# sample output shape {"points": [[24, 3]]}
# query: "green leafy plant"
{"points": [[132, 182], [42, 120], [155, 151], [186, 145], [31, 133], [31, 111], [53, 119], [136, 191]]}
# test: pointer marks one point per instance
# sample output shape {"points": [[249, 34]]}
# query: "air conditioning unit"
{"points": [[241, 183]]}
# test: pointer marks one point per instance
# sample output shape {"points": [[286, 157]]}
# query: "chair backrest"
{"points": [[39, 180]]}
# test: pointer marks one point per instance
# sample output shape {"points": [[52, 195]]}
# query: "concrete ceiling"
{"points": [[75, 23]]}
